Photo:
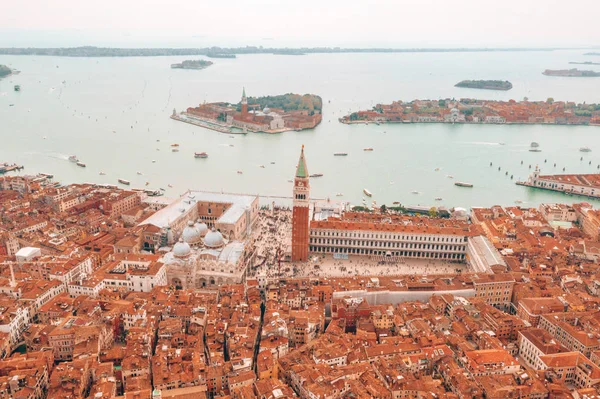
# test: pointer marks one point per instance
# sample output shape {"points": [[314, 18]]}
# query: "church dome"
{"points": [[202, 228], [213, 239], [266, 110], [181, 249], [190, 234]]}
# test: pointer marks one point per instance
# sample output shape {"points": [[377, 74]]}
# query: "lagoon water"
{"points": [[110, 112]]}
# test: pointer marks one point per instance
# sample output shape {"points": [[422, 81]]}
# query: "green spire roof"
{"points": [[244, 92], [301, 170]]}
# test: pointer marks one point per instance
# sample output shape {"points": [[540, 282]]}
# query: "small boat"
{"points": [[534, 144], [101, 173], [80, 164], [585, 149], [73, 158], [367, 149], [367, 192], [415, 192], [44, 137], [147, 183], [17, 87], [200, 155], [175, 149], [518, 202], [391, 182], [340, 154], [272, 163], [11, 105], [438, 198], [154, 161], [231, 137], [339, 195], [437, 169], [290, 181], [175, 145], [535, 150], [123, 181], [262, 166], [162, 189], [450, 176], [500, 143], [239, 172], [316, 175], [139, 173], [396, 203], [463, 184], [169, 185]]}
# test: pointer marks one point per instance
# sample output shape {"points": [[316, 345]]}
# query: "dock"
{"points": [[5, 168]]}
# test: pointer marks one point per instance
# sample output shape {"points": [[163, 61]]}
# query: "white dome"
{"points": [[190, 234], [202, 228], [181, 249], [213, 239], [266, 110]]}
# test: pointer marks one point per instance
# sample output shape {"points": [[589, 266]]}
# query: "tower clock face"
{"points": [[300, 184]]}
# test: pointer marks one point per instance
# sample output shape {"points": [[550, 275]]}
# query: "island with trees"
{"points": [[468, 110], [268, 114], [571, 73], [4, 71], [485, 84], [192, 64]]}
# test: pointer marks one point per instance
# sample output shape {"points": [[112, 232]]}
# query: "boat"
{"points": [[340, 154], [169, 185], [367, 149], [437, 169], [535, 150], [101, 173], [438, 198], [47, 175], [415, 192], [367, 192], [396, 203], [585, 149], [17, 87], [162, 189], [500, 143], [339, 195], [80, 164], [147, 183], [175, 145], [272, 163], [11, 105], [534, 144], [239, 172], [518, 202], [123, 181], [463, 184], [73, 158], [450, 176], [200, 155], [231, 145], [175, 149], [44, 137], [290, 181], [154, 161], [316, 175], [139, 173], [262, 166]]}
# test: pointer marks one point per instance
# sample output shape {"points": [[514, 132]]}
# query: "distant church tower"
{"points": [[300, 215], [244, 103]]}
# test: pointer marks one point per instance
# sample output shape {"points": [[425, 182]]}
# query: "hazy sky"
{"points": [[399, 23]]}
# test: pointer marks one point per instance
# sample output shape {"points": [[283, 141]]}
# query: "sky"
{"points": [[294, 23]]}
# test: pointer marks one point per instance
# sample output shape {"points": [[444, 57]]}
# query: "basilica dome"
{"points": [[181, 249], [190, 234], [202, 228], [213, 239]]}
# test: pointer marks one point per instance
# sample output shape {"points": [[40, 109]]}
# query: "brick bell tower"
{"points": [[244, 103], [300, 215]]}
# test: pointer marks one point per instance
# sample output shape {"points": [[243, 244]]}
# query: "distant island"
{"points": [[91, 51], [192, 64], [219, 55], [585, 63], [269, 114], [485, 84], [4, 71], [571, 73], [592, 54], [468, 110]]}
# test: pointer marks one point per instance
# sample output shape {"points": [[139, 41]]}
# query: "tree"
{"points": [[433, 212], [383, 209], [550, 100]]}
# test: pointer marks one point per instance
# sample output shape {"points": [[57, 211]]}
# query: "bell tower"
{"points": [[244, 103], [301, 211]]}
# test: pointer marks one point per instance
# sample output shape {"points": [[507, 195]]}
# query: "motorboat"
{"points": [[340, 154], [367, 192], [463, 184], [339, 195], [367, 149], [535, 150], [81, 164], [169, 185], [200, 155], [437, 169], [123, 181], [73, 158], [534, 144], [239, 172], [450, 177], [101, 173], [175, 145], [174, 149], [139, 173], [438, 198], [262, 166], [415, 192], [585, 149], [316, 175], [154, 161]]}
